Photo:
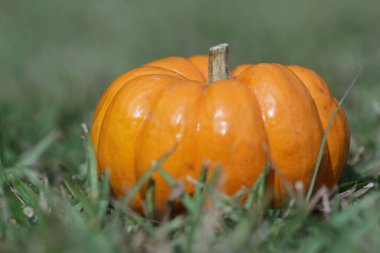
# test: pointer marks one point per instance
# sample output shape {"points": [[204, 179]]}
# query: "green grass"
{"points": [[58, 57], [76, 215]]}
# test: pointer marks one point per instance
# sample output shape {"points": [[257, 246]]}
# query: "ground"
{"points": [[58, 57]]}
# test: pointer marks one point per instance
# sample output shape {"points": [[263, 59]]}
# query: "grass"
{"points": [[76, 215], [58, 57]]}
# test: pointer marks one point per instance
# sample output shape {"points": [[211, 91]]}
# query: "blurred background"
{"points": [[58, 57]]}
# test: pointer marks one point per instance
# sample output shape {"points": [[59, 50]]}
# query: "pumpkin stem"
{"points": [[218, 63]]}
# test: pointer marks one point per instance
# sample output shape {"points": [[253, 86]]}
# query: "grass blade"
{"points": [[31, 157], [142, 180], [91, 164], [150, 198], [102, 203], [324, 139], [260, 181]]}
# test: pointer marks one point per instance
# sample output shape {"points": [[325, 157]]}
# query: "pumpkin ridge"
{"points": [[197, 61], [232, 134], [139, 68], [105, 101], [195, 130], [122, 86], [177, 68], [198, 128], [288, 114], [157, 97], [323, 166], [271, 176], [326, 103], [325, 162], [169, 79], [162, 68], [241, 69], [172, 124]]}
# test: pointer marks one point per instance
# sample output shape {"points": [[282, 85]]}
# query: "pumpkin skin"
{"points": [[267, 113]]}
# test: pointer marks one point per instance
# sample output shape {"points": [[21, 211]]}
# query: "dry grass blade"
{"points": [[175, 194], [352, 193], [322, 196], [357, 156], [364, 190]]}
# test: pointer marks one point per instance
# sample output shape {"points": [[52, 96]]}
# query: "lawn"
{"points": [[58, 57]]}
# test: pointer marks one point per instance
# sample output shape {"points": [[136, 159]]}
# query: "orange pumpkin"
{"points": [[263, 113]]}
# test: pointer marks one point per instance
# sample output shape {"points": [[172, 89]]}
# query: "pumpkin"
{"points": [[256, 115]]}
